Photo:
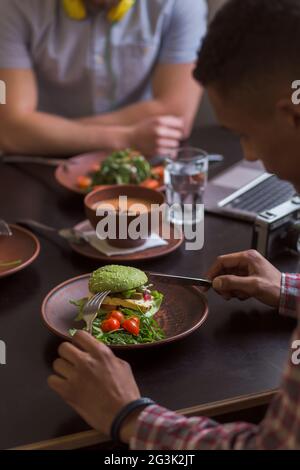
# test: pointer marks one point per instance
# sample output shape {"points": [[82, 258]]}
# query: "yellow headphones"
{"points": [[76, 10]]}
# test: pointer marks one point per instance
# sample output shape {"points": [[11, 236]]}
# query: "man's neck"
{"points": [[93, 8]]}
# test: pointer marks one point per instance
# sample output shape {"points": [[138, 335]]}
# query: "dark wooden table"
{"points": [[234, 361]]}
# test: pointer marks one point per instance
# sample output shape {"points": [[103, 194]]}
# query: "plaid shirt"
{"points": [[161, 429]]}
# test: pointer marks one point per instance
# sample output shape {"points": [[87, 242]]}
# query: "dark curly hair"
{"points": [[249, 42]]}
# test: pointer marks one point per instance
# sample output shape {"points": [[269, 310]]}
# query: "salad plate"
{"points": [[180, 311], [81, 174]]}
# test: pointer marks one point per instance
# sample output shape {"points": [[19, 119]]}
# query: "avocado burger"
{"points": [[127, 314]]}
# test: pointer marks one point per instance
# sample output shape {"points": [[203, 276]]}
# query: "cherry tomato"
{"points": [[84, 182], [110, 325], [147, 297], [117, 315], [95, 167], [131, 326], [151, 184], [136, 319], [159, 171]]}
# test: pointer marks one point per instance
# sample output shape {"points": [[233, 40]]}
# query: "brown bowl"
{"points": [[123, 219]]}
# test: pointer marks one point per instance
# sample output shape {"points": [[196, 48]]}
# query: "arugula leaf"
{"points": [[80, 305], [10, 264], [149, 329]]}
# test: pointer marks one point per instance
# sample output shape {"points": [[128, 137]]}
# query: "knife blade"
{"points": [[35, 160], [182, 280]]}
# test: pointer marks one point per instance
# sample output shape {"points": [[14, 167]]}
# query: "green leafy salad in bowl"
{"points": [[127, 314]]}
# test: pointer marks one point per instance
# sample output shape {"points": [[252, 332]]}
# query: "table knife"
{"points": [[182, 280]]}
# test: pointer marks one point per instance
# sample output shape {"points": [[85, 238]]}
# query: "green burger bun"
{"points": [[116, 279]]}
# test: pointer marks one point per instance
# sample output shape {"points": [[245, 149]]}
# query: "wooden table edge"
{"points": [[90, 438]]}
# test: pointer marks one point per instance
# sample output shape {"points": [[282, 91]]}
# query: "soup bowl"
{"points": [[124, 215]]}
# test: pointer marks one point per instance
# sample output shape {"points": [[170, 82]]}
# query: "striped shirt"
{"points": [[161, 429]]}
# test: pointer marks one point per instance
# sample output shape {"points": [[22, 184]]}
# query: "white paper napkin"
{"points": [[104, 247]]}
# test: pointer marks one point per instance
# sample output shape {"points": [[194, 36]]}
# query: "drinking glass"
{"points": [[185, 181]]}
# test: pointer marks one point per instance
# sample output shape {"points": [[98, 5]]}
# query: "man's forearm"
{"points": [[137, 112], [44, 134], [129, 115]]}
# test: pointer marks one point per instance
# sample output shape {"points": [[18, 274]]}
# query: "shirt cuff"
{"points": [[150, 427], [290, 295]]}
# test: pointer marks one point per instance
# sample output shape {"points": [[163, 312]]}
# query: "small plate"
{"points": [[183, 311], [22, 245], [85, 249], [67, 173]]}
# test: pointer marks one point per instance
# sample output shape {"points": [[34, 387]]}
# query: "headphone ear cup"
{"points": [[75, 9], [116, 13]]}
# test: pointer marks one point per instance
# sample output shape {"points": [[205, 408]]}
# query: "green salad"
{"points": [[122, 167], [125, 167]]}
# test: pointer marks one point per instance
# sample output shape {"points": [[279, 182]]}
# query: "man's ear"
{"points": [[289, 113]]}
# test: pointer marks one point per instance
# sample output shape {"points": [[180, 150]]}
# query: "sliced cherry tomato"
{"points": [[147, 297], [84, 182], [131, 326], [117, 315], [110, 325], [151, 184], [136, 319]]}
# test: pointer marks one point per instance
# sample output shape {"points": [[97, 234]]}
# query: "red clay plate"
{"points": [[67, 173], [22, 245], [183, 311]]}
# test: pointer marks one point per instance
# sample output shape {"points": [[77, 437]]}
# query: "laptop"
{"points": [[245, 190]]}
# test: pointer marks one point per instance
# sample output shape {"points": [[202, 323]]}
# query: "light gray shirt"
{"points": [[91, 67]]}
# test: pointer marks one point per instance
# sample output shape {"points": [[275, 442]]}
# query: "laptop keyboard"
{"points": [[266, 195]]}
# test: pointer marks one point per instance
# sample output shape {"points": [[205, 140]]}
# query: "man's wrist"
{"points": [[108, 137], [129, 136], [125, 420], [122, 138], [128, 428]]}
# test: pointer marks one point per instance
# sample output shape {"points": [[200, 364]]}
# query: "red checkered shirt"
{"points": [[161, 429]]}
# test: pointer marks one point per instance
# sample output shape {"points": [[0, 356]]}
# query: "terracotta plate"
{"points": [[151, 253], [22, 245], [183, 311], [66, 175]]}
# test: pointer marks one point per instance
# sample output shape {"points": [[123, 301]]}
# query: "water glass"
{"points": [[185, 181]]}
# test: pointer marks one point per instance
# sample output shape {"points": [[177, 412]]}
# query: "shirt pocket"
{"points": [[133, 64]]}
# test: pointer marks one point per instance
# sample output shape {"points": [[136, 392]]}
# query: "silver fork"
{"points": [[92, 307], [4, 229]]}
